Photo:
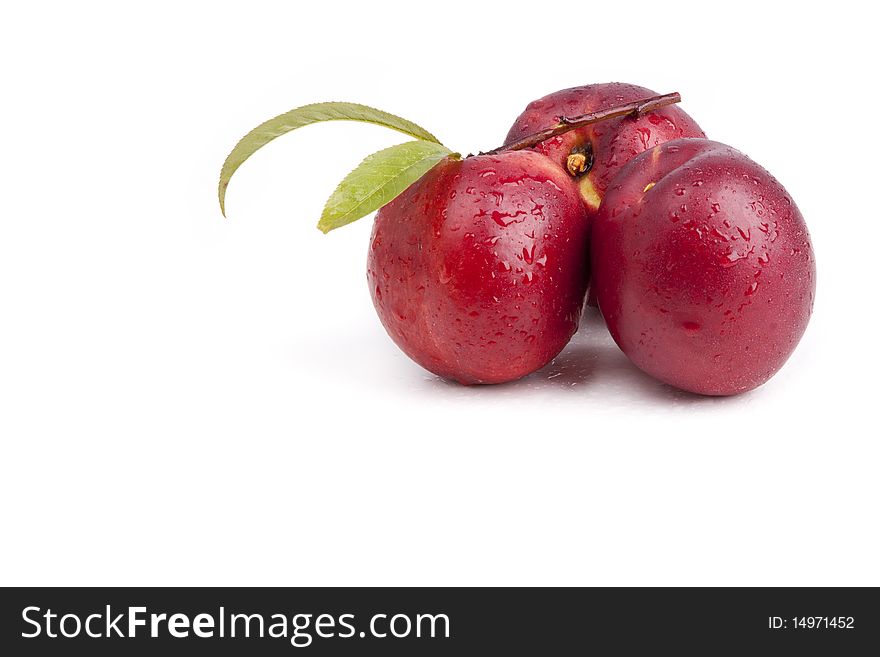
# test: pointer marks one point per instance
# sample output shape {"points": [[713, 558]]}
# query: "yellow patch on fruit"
{"points": [[589, 193], [655, 154], [648, 186]]}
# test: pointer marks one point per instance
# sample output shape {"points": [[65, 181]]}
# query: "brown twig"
{"points": [[635, 108]]}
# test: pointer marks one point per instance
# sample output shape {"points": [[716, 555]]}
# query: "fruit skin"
{"points": [[707, 279], [614, 141], [478, 270]]}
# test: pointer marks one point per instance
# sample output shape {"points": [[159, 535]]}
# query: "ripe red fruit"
{"points": [[607, 145], [478, 270], [702, 267]]}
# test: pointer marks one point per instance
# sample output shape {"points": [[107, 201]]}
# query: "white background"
{"points": [[191, 400]]}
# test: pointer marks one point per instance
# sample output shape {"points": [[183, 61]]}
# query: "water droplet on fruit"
{"points": [[697, 183], [731, 258], [691, 326], [444, 275], [746, 234], [486, 173], [503, 219], [716, 208], [751, 289], [504, 266], [528, 255], [644, 136], [679, 191], [542, 260], [527, 278]]}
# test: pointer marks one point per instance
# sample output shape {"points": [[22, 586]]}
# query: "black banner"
{"points": [[444, 621]]}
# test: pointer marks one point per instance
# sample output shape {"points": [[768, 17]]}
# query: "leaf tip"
{"points": [[221, 196]]}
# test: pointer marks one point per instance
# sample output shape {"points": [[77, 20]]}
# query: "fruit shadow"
{"points": [[591, 365]]}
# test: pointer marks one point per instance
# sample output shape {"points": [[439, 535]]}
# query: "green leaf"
{"points": [[306, 115], [379, 179]]}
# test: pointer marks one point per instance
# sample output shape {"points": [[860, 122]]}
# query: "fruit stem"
{"points": [[635, 108]]}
